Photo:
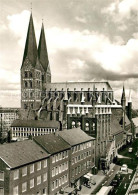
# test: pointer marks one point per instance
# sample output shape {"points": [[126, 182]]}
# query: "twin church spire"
{"points": [[31, 52]]}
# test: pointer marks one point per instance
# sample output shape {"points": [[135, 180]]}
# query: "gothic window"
{"points": [[25, 106], [93, 127], [30, 82], [87, 127], [31, 105], [25, 74], [25, 84], [75, 96], [42, 77], [73, 124], [31, 94], [79, 124], [30, 75]]}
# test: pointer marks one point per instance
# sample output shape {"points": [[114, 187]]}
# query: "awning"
{"points": [[87, 176]]}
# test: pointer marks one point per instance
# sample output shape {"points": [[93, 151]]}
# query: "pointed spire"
{"points": [[30, 50], [42, 49], [130, 100], [123, 94]]}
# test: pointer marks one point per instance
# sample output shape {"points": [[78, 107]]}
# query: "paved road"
{"points": [[108, 178]]}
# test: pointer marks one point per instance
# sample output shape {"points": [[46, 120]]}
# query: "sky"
{"points": [[87, 40]]}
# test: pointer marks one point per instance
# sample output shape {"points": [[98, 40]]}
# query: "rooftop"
{"points": [[78, 86], [20, 153], [52, 143], [35, 123], [75, 136]]}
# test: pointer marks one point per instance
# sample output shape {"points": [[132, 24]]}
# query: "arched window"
{"points": [[30, 82], [73, 124], [75, 96], [31, 94], [30, 74], [31, 105], [25, 106], [79, 124], [25, 84], [93, 127], [87, 127], [25, 74]]}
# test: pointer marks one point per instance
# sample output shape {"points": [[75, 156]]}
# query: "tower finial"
{"points": [[31, 7]]}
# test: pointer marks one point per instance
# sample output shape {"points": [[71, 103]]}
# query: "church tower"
{"points": [[31, 72], [43, 57], [123, 103]]}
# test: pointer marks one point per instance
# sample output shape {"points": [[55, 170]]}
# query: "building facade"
{"points": [[23, 129], [7, 116]]}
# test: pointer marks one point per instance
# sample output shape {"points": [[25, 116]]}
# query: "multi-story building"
{"points": [[59, 151], [7, 116], [23, 168], [23, 129], [82, 159]]}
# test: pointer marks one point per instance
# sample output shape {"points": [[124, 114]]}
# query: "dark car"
{"points": [[114, 182]]}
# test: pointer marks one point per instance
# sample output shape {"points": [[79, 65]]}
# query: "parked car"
{"points": [[124, 168], [130, 150]]}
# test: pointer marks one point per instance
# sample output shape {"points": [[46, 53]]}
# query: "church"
{"points": [[91, 106]]}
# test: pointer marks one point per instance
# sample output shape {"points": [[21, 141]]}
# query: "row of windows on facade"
{"points": [[59, 169], [81, 147], [32, 129], [31, 94], [29, 84], [59, 156], [81, 168], [58, 182], [28, 74], [31, 184], [33, 134], [31, 169], [81, 157]]}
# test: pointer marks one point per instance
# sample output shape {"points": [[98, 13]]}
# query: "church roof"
{"points": [[30, 50], [78, 86], [42, 50]]}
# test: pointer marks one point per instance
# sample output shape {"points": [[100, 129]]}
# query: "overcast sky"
{"points": [[87, 40]]}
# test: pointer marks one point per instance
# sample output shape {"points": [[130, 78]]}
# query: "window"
{"points": [[16, 174], [1, 191], [53, 159], [24, 171], [59, 168], [38, 180], [53, 172], [32, 168], [44, 191], [87, 127], [44, 177], [56, 170], [38, 166], [56, 183], [24, 186], [15, 190], [31, 183], [1, 176], [45, 163], [59, 182], [53, 185]]}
